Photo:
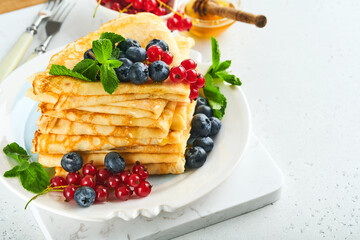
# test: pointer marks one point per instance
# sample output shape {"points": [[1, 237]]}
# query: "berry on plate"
{"points": [[72, 162], [89, 169], [139, 73], [200, 125], [159, 71], [123, 192], [84, 196], [57, 181], [215, 126], [88, 180], [114, 162], [205, 110], [69, 192], [102, 175], [195, 157], [205, 142], [102, 194], [136, 54], [73, 178], [143, 189]]}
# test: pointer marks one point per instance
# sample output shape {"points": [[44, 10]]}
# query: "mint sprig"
{"points": [[32, 175], [106, 60], [218, 71]]}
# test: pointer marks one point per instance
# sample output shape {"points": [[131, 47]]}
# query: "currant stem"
{"points": [[97, 6]]}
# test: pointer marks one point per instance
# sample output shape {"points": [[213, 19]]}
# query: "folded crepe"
{"points": [[49, 125], [153, 168], [163, 122]]}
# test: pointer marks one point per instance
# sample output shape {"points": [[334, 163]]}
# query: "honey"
{"points": [[207, 26]]}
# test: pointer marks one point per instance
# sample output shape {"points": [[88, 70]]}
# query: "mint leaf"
{"points": [[113, 37], [114, 63], [223, 66], [34, 178], [108, 78], [216, 99], [102, 49], [229, 78], [59, 70], [115, 54], [88, 68], [16, 152], [215, 52], [12, 172]]}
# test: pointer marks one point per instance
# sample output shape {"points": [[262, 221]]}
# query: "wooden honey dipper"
{"points": [[210, 7]]}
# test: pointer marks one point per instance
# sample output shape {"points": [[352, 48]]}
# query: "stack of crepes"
{"points": [[149, 123]]}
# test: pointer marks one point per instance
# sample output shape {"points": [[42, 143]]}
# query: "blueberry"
{"points": [[72, 162], [200, 125], [215, 126], [201, 101], [114, 162], [205, 142], [122, 72], [84, 196], [138, 73], [122, 55], [195, 157], [136, 54], [190, 141], [205, 110], [124, 45], [159, 71], [87, 55], [160, 43]]}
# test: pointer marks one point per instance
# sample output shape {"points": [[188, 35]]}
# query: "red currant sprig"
{"points": [[187, 72], [179, 22]]}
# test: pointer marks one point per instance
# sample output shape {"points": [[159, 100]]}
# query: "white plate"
{"points": [[18, 122]]}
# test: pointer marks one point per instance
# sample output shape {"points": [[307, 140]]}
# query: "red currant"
{"points": [[143, 189], [88, 180], [188, 64], [178, 15], [102, 175], [129, 1], [159, 11], [112, 182], [73, 178], [194, 93], [105, 1], [89, 169], [134, 180], [124, 176], [116, 6], [137, 167], [57, 181], [191, 76], [149, 5], [164, 1], [138, 4], [172, 24], [185, 24], [200, 81], [102, 193], [123, 193], [167, 57], [178, 74], [154, 53], [143, 174], [69, 192]]}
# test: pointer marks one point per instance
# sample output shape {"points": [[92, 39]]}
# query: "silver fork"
{"points": [[17, 51], [52, 27]]}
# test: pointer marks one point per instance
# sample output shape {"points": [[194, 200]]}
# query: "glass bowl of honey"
{"points": [[207, 26]]}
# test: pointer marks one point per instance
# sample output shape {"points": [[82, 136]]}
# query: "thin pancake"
{"points": [[163, 122], [72, 102], [154, 112], [61, 126]]}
